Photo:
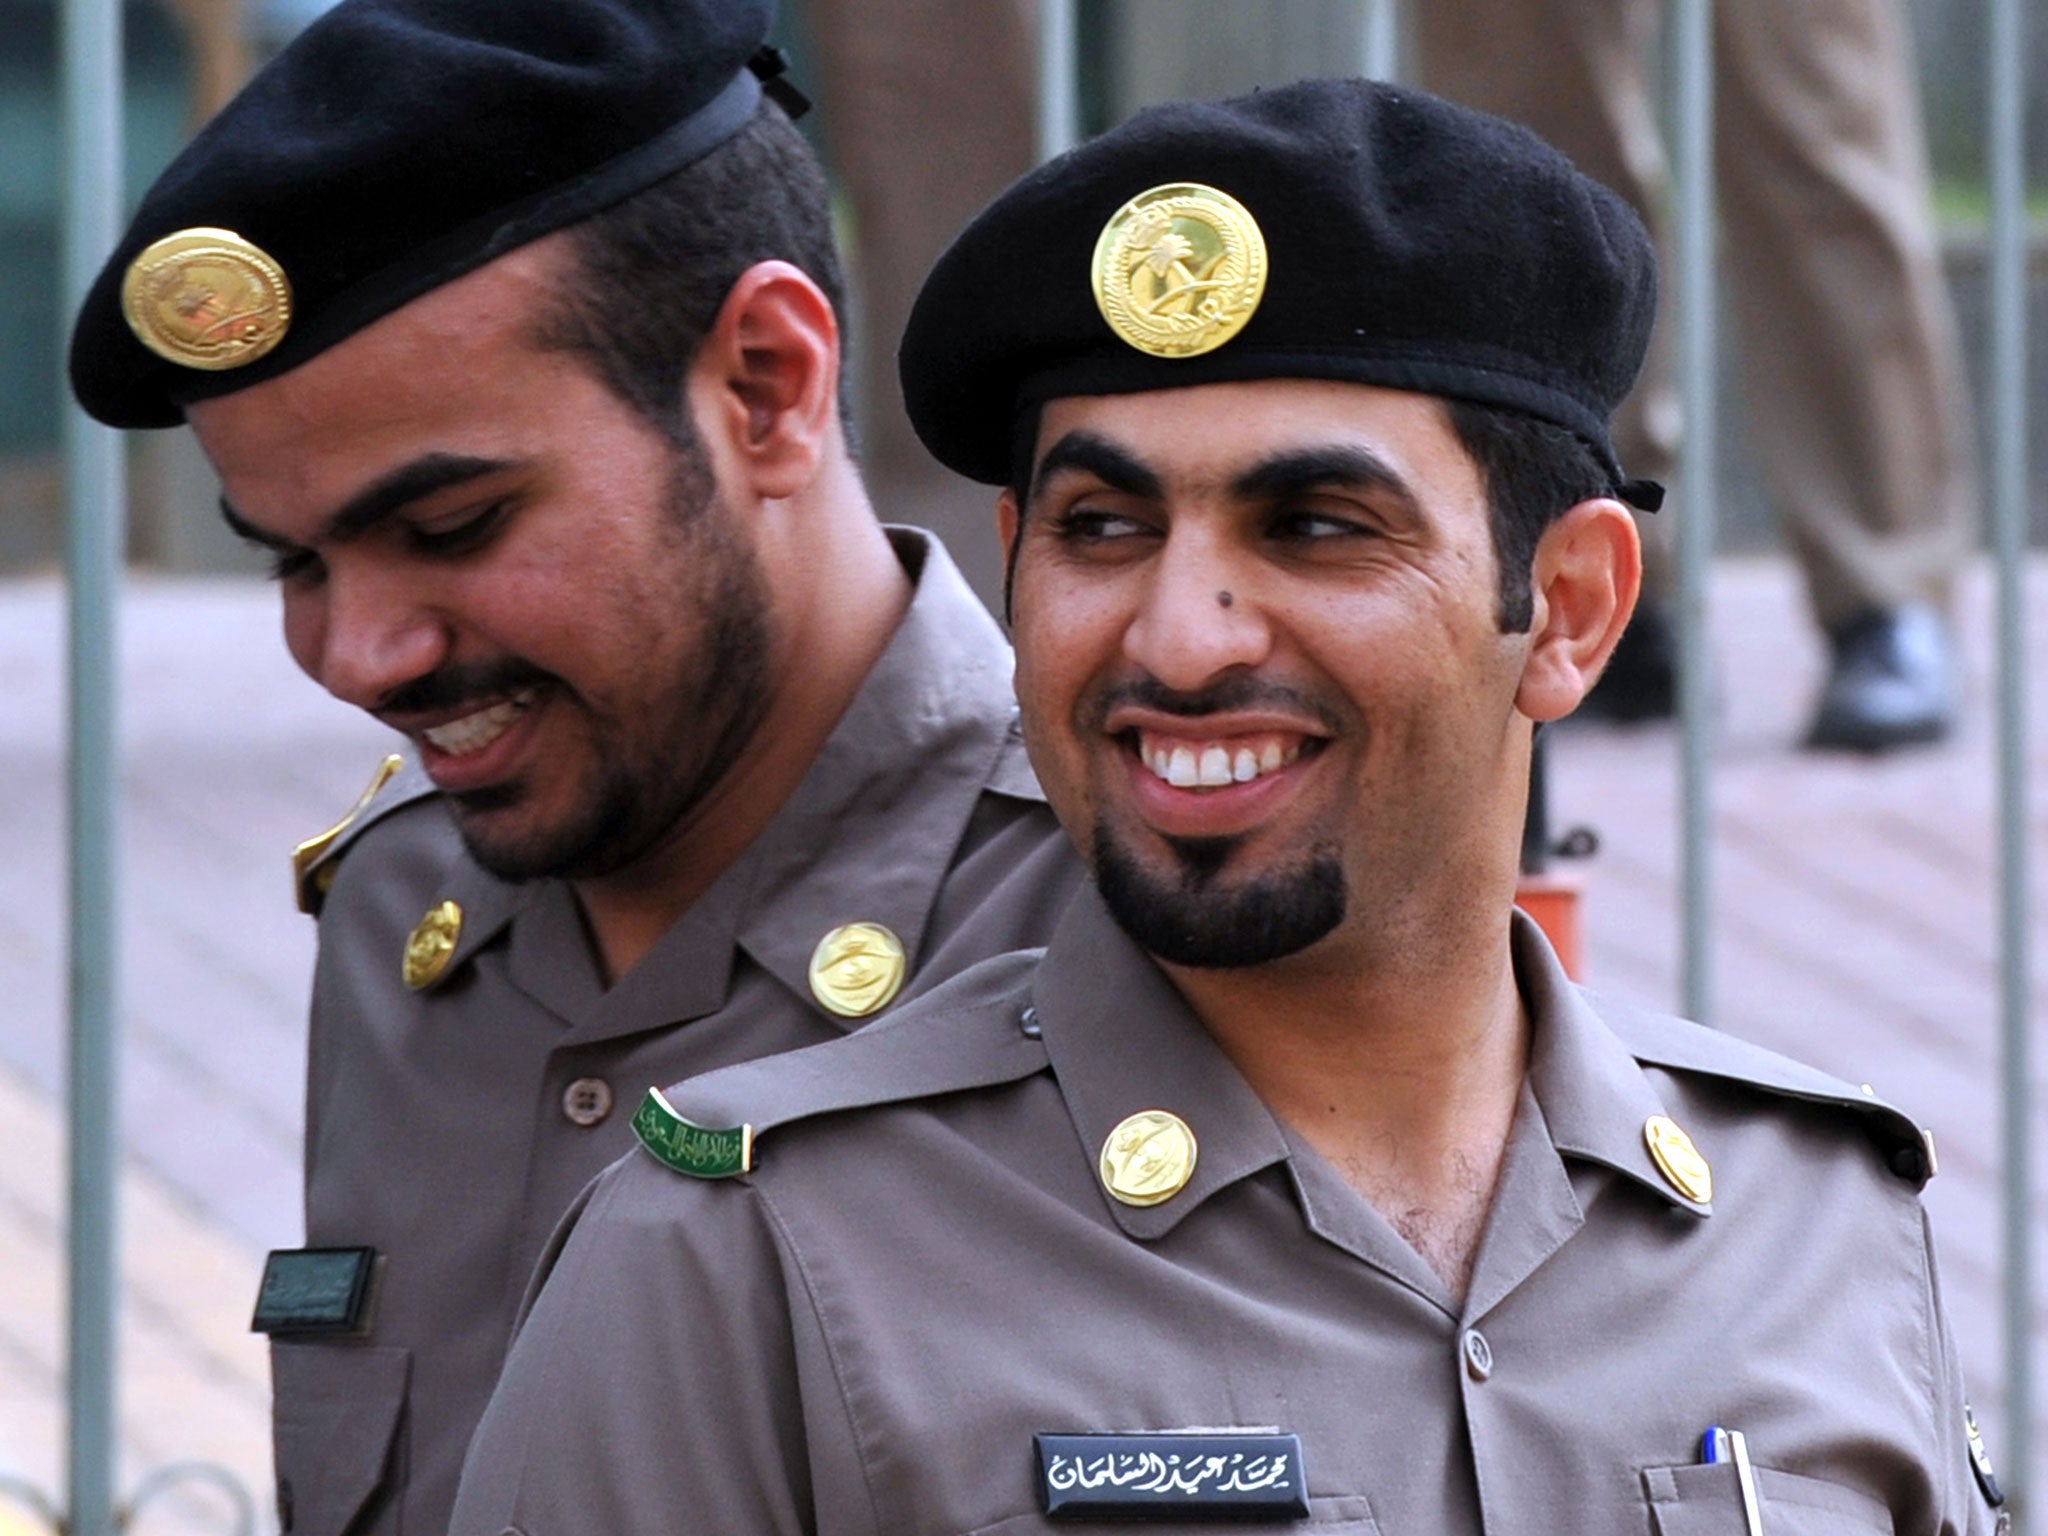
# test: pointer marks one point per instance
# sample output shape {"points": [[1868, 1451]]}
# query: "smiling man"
{"points": [[511, 329], [1293, 1181]]}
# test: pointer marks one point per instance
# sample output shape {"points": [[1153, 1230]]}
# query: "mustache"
{"points": [[1241, 691], [461, 683]]}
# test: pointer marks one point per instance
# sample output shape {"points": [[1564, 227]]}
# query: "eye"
{"points": [[1084, 526], [1316, 525], [447, 538], [297, 567]]}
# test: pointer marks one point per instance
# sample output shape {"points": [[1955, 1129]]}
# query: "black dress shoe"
{"points": [[1641, 680], [1891, 682]]}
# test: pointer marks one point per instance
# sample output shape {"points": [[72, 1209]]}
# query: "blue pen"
{"points": [[1720, 1445]]}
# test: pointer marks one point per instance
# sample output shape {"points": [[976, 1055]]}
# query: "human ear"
{"points": [[1009, 524], [770, 365], [1586, 576]]}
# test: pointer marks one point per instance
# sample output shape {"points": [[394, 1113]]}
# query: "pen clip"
{"points": [[1745, 1477]]}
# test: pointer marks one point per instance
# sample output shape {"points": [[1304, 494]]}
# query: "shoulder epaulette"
{"points": [[969, 1033], [315, 861], [1659, 1040]]}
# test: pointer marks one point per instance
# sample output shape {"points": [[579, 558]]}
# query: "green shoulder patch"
{"points": [[700, 1151]]}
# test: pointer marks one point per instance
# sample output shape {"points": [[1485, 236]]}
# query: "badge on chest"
{"points": [[316, 1291], [1206, 1474]]}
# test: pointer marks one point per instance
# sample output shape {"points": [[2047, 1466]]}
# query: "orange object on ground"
{"points": [[1557, 904]]}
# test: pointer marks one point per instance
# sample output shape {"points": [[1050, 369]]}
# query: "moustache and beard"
{"points": [[1193, 914], [649, 767]]}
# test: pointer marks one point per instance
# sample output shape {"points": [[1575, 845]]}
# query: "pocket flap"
{"points": [[1707, 1500], [336, 1420]]}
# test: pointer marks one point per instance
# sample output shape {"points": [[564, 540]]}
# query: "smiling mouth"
{"points": [[1218, 762], [478, 729]]}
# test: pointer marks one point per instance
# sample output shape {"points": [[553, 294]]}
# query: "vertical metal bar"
{"points": [[1697, 301], [2008, 424], [96, 516], [1059, 112], [1380, 45]]}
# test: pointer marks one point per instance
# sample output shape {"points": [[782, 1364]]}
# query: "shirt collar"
{"points": [[1121, 1039], [872, 830], [868, 836], [1595, 1095]]}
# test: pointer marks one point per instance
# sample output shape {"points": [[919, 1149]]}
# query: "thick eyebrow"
{"points": [[1115, 467], [379, 501], [1336, 466]]}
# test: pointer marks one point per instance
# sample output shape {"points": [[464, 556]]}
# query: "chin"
{"points": [[1198, 912]]}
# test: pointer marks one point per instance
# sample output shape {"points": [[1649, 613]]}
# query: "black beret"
{"points": [[395, 145], [1407, 242]]}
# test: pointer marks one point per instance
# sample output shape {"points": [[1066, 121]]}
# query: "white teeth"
{"points": [[474, 732], [1214, 765]]}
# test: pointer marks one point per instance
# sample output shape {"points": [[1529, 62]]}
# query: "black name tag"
{"points": [[1190, 1475], [314, 1290]]}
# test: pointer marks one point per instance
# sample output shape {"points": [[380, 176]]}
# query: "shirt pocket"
{"points": [[1328, 1515], [1707, 1501], [335, 1422]]}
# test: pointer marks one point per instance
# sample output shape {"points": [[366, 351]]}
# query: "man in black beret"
{"points": [[1294, 1181], [511, 328]]}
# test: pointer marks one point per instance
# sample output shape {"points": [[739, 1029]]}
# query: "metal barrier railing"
{"points": [[1697, 296], [2007, 396], [96, 496]]}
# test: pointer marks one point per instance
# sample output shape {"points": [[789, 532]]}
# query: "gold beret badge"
{"points": [[1179, 269], [206, 298]]}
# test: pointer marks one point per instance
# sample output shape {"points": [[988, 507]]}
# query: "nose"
{"points": [[362, 633], [1185, 633]]}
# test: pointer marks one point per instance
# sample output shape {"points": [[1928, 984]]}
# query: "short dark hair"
{"points": [[656, 267], [1534, 472]]}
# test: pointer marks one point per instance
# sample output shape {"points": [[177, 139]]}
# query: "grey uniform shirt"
{"points": [[450, 1128], [862, 1336]]}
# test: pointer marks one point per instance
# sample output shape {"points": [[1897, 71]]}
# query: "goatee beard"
{"points": [[1191, 921]]}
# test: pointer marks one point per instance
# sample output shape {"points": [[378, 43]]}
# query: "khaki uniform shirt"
{"points": [[450, 1128], [862, 1336]]}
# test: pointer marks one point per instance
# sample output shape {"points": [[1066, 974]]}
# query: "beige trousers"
{"points": [[928, 108], [1846, 341]]}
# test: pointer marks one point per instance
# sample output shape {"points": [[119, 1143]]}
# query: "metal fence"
{"points": [[95, 498]]}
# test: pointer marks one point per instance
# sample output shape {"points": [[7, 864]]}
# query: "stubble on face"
{"points": [[644, 777]]}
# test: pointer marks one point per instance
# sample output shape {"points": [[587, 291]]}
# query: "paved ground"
{"points": [[1855, 929]]}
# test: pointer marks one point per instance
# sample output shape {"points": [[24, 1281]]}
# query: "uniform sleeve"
{"points": [[1967, 1509], [652, 1389]]}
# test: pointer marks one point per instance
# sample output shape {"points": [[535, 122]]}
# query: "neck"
{"points": [[839, 593], [1402, 1067]]}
